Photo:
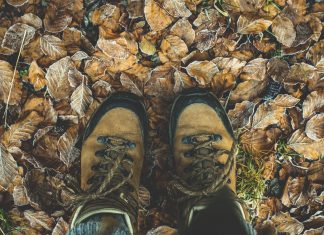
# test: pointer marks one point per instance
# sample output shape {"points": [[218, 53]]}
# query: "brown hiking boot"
{"points": [[203, 147], [112, 158]]}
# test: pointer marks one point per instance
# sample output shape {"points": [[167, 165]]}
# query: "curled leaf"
{"points": [[17, 3], [39, 218], [174, 48], [8, 168], [156, 16], [251, 26], [202, 71], [36, 76], [314, 102]]}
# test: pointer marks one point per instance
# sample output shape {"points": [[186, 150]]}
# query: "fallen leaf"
{"points": [[39, 218], [285, 223], [241, 115], [251, 26], [107, 16], [32, 20], [130, 85], [243, 5], [156, 16], [229, 64], [207, 19], [17, 3], [163, 230], [174, 48], [305, 73], [305, 146], [283, 29], [8, 168], [299, 6], [56, 17], [61, 227], [147, 47], [81, 98], [66, 146], [264, 45], [181, 81], [52, 47], [248, 90], [74, 41], [41, 132], [36, 76], [283, 100], [75, 78], [19, 196], [278, 69], [10, 84], [205, 40], [314, 102], [316, 231], [202, 71], [176, 8], [13, 39], [222, 82], [256, 69], [183, 29], [315, 127], [298, 192], [21, 131], [57, 79], [101, 88], [135, 8], [315, 53]]}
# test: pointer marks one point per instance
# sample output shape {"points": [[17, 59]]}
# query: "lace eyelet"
{"points": [[100, 153], [186, 140], [215, 137], [103, 139], [131, 145]]}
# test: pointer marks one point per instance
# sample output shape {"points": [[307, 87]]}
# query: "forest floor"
{"points": [[264, 59]]}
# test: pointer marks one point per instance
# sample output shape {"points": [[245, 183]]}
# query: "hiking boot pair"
{"points": [[203, 151]]}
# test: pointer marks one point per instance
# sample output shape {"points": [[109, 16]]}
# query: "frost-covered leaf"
{"points": [[57, 79], [127, 82], [283, 29], [241, 115], [285, 223], [13, 39], [66, 146], [231, 65], [53, 47], [267, 115], [202, 71], [32, 20], [16, 3], [315, 127], [7, 78], [163, 230], [174, 48], [61, 227], [56, 17], [256, 69], [81, 98], [251, 26], [39, 218], [156, 16], [286, 101], [314, 102], [305, 146], [315, 53], [176, 8], [41, 132], [101, 88], [19, 196], [8, 167], [248, 90], [183, 29]]}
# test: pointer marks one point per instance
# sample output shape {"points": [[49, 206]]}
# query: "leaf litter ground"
{"points": [[263, 59]]}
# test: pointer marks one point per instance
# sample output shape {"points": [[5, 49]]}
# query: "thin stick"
{"points": [[13, 79]]}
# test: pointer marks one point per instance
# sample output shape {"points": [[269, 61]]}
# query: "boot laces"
{"points": [[112, 173], [206, 173]]}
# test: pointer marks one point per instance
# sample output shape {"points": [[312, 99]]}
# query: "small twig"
{"points": [[2, 231], [5, 115]]}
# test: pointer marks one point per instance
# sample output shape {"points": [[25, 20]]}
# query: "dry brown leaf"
{"points": [[299, 6], [248, 90], [56, 17], [156, 16], [315, 127], [267, 115], [205, 40], [181, 81], [278, 69], [7, 77], [163, 230], [107, 15], [243, 5], [251, 26], [305, 73], [207, 19], [57, 78], [315, 53], [176, 8], [75, 78], [183, 29], [283, 29], [305, 146], [130, 85], [3, 50], [74, 41], [264, 45], [222, 82], [66, 146], [101, 88], [39, 218], [32, 20], [283, 100], [41, 132], [316, 231], [256, 69], [8, 168], [298, 192], [17, 3], [174, 48], [53, 47], [259, 142], [13, 39], [36, 76], [81, 98], [21, 131], [241, 115], [202, 71], [61, 227], [19, 196], [314, 102], [229, 64], [135, 8], [285, 223]]}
